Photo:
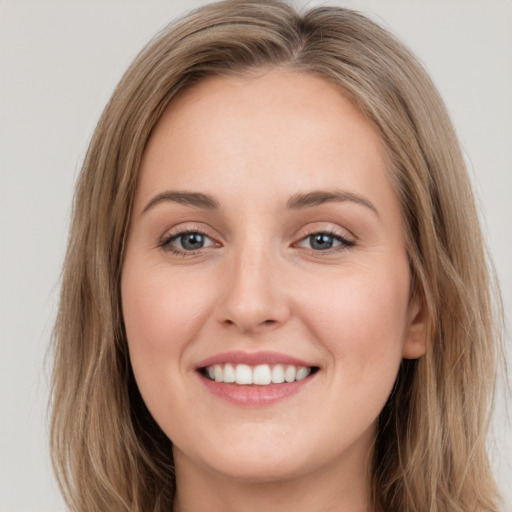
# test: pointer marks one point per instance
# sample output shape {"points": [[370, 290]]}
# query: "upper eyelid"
{"points": [[187, 232], [188, 227], [345, 242], [326, 232], [334, 231]]}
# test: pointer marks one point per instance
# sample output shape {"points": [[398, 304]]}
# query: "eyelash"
{"points": [[165, 244], [345, 243]]}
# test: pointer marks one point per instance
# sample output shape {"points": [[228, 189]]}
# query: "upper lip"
{"points": [[252, 359]]}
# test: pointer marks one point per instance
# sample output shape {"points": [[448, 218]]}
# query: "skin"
{"points": [[252, 143]]}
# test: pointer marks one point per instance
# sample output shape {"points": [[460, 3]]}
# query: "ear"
{"points": [[415, 343]]}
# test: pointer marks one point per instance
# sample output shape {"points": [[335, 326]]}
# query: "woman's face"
{"points": [[266, 244]]}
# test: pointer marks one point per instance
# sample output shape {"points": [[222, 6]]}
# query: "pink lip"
{"points": [[251, 396], [252, 359]]}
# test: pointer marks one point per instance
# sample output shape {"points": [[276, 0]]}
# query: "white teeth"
{"points": [[290, 373], [260, 375], [302, 373], [229, 373], [243, 374], [219, 374], [277, 374]]}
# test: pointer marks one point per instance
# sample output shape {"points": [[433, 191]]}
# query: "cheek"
{"points": [[362, 320], [161, 309], [163, 312], [367, 319]]}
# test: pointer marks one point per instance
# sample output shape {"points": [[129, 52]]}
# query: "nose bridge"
{"points": [[253, 297]]}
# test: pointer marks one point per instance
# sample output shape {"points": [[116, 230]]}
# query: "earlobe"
{"points": [[415, 343]]}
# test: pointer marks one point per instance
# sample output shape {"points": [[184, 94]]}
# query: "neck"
{"points": [[336, 488]]}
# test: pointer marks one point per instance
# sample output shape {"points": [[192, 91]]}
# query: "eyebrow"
{"points": [[318, 197], [296, 202], [187, 198]]}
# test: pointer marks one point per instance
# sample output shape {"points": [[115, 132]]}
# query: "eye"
{"points": [[324, 241], [187, 241]]}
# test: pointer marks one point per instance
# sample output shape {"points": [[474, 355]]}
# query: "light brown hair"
{"points": [[430, 452]]}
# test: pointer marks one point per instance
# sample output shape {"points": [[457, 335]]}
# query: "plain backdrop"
{"points": [[59, 62]]}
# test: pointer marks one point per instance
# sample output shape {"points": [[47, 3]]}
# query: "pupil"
{"points": [[321, 241], [192, 241]]}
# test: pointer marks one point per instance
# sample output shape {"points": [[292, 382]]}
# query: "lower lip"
{"points": [[251, 396]]}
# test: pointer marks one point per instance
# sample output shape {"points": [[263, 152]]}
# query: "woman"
{"points": [[278, 279]]}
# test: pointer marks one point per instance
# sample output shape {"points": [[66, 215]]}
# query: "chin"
{"points": [[259, 471], [251, 459]]}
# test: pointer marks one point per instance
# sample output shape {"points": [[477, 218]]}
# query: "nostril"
{"points": [[268, 322]]}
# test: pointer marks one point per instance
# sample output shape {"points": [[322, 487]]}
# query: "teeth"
{"points": [[277, 374], [261, 375], [229, 373], [302, 373], [243, 374], [290, 373]]}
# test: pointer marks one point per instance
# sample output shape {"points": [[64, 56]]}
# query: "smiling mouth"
{"points": [[259, 375]]}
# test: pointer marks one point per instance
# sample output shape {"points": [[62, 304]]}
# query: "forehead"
{"points": [[290, 130], [267, 95]]}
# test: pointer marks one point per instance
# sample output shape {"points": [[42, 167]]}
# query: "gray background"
{"points": [[59, 62]]}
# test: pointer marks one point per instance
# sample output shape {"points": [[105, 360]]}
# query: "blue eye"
{"points": [[187, 242], [322, 241], [325, 241]]}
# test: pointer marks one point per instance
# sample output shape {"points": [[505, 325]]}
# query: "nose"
{"points": [[253, 297]]}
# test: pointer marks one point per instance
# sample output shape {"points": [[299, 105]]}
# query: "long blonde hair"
{"points": [[430, 453]]}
